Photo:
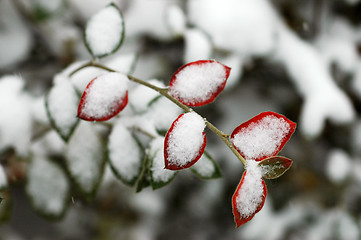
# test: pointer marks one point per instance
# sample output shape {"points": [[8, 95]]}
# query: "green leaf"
{"points": [[61, 104], [47, 188], [5, 207], [159, 176], [85, 158], [274, 167], [206, 168], [144, 179], [125, 154], [104, 32]]}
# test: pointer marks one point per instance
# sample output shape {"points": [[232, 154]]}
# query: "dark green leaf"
{"points": [[274, 167]]}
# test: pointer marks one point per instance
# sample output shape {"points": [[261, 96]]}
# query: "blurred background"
{"points": [[300, 58]]}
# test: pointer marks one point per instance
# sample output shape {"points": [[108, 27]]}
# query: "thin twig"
{"points": [[164, 92]]}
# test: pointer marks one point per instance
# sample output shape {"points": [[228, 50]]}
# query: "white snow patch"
{"points": [[204, 167], [162, 113], [123, 63], [16, 119], [250, 196], [197, 45], [186, 139], [84, 156], [104, 93], [261, 138], [63, 103], [176, 19], [124, 153], [103, 32], [47, 186], [159, 174], [338, 165], [3, 178], [141, 96], [196, 82]]}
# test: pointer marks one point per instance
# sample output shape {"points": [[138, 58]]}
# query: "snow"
{"points": [[62, 105], [123, 63], [339, 165], [250, 196], [3, 178], [162, 113], [84, 156], [104, 94], [261, 138], [16, 119], [15, 36], [198, 82], [141, 96], [125, 154], [47, 186], [176, 19], [185, 139], [197, 45], [309, 71], [159, 174], [104, 31], [204, 167]]}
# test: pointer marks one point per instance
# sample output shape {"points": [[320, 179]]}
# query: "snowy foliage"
{"points": [[290, 57]]}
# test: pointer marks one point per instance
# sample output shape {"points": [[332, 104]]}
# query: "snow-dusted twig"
{"points": [[164, 92]]}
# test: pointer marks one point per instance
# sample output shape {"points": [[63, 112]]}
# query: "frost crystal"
{"points": [[185, 139], [103, 96], [104, 31], [198, 83], [261, 138], [251, 194], [124, 153]]}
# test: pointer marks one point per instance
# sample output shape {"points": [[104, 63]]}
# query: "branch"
{"points": [[164, 92]]}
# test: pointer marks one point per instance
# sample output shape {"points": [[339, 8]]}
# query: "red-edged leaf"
{"points": [[199, 83], [185, 141], [245, 202], [104, 97], [274, 167], [262, 136]]}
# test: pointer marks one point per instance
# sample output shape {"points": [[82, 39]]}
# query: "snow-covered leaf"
{"points": [[104, 97], [104, 32], [143, 180], [3, 178], [125, 154], [185, 141], [47, 187], [159, 176], [85, 158], [274, 167], [250, 194], [206, 167], [16, 118], [176, 20], [61, 106], [262, 136], [123, 63], [198, 45], [199, 83]]}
